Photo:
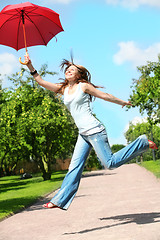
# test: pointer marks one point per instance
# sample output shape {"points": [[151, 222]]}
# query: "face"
{"points": [[71, 73]]}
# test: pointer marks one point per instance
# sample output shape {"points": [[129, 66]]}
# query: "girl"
{"points": [[78, 92]]}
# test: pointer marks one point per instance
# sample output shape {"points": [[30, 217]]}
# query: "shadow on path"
{"points": [[39, 204], [139, 218], [96, 174]]}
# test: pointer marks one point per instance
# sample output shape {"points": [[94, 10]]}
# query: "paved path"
{"points": [[122, 204]]}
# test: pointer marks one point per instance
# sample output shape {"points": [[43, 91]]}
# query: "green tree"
{"points": [[146, 91], [117, 147], [35, 124], [92, 162], [135, 131]]}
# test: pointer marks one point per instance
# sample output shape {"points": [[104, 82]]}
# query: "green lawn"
{"points": [[152, 166], [15, 194]]}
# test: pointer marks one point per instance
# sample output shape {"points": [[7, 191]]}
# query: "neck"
{"points": [[71, 84]]}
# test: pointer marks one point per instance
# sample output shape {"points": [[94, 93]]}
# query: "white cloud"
{"points": [[7, 63], [130, 52], [121, 139], [132, 4], [135, 121]]}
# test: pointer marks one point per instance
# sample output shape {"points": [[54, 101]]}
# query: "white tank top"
{"points": [[78, 104]]}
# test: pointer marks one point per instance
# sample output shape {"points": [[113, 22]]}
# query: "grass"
{"points": [[152, 166], [16, 194]]}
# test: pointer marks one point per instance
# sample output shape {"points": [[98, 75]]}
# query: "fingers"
{"points": [[127, 103], [27, 58]]}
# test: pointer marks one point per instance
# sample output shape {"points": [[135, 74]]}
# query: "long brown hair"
{"points": [[84, 75]]}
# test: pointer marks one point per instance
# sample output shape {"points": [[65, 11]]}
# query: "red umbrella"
{"points": [[27, 24]]}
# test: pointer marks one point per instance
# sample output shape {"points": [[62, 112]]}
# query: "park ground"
{"points": [[121, 204]]}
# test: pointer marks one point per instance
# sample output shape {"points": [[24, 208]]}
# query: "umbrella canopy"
{"points": [[27, 24]]}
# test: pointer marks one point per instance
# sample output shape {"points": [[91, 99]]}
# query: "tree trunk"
{"points": [[45, 169], [153, 151], [46, 175], [1, 172]]}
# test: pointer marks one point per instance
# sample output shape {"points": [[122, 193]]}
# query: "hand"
{"points": [[127, 103], [27, 59]]}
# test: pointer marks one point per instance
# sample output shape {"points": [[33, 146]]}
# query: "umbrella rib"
{"points": [[18, 31], [48, 19], [37, 14], [16, 15], [32, 10], [36, 28]]}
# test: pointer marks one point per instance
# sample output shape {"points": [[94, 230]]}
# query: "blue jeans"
{"points": [[99, 142]]}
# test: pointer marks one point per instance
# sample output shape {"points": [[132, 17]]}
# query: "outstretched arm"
{"points": [[88, 88], [54, 87]]}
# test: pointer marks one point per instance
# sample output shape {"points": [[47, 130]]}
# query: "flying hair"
{"points": [[84, 75]]}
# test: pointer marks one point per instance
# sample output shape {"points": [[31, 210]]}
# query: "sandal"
{"points": [[46, 205], [154, 145]]}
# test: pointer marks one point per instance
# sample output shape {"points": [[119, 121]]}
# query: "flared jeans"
{"points": [[99, 141]]}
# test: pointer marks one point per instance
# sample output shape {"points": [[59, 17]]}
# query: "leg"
{"points": [[101, 146], [71, 181]]}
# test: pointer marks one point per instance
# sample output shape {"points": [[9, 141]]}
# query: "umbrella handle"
{"points": [[23, 63], [25, 43]]}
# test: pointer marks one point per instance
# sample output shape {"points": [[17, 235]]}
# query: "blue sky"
{"points": [[110, 38]]}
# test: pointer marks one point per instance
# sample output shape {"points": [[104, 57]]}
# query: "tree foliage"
{"points": [[146, 91], [92, 162], [35, 125], [116, 147], [146, 96], [153, 133]]}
